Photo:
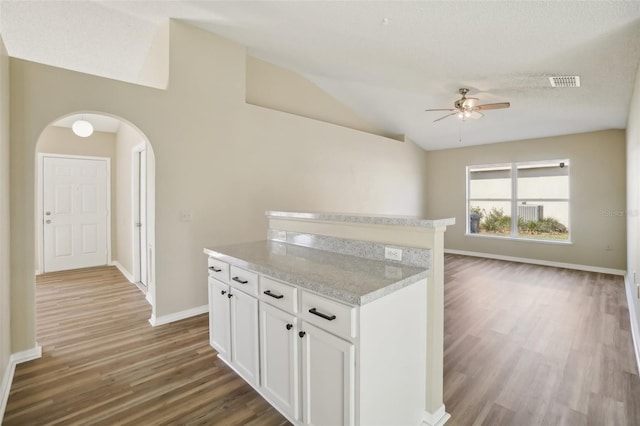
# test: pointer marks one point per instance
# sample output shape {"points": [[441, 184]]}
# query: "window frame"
{"points": [[514, 200]]}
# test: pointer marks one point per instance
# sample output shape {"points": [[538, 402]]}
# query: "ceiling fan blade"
{"points": [[448, 115], [491, 106], [444, 109], [475, 115]]}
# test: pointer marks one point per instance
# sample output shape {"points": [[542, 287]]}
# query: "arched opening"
{"points": [[95, 199]]}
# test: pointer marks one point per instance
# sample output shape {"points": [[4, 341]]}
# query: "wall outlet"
{"points": [[282, 235], [186, 216], [393, 253]]}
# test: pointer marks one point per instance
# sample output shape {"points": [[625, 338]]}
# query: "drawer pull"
{"points": [[214, 269], [275, 296], [229, 295], [301, 334], [238, 280], [321, 315], [223, 292], [289, 326]]}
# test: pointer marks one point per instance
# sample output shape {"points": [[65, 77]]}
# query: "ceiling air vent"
{"points": [[565, 81]]}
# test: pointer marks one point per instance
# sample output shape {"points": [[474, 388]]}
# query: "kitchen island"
{"points": [[328, 318]]}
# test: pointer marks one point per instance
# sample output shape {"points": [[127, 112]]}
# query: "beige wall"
{"points": [[62, 140], [126, 139], [224, 161], [633, 197], [5, 226], [278, 88], [597, 187]]}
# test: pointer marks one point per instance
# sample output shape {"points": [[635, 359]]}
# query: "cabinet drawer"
{"points": [[244, 280], [330, 315], [279, 294], [219, 270]]}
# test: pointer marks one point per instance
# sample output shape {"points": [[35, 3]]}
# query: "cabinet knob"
{"points": [[223, 292], [289, 326], [229, 295], [301, 334]]}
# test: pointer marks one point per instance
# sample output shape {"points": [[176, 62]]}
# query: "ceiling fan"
{"points": [[465, 108]]}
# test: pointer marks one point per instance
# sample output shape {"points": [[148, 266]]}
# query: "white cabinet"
{"points": [[219, 317], [233, 327], [279, 366], [328, 377], [244, 335], [320, 361]]}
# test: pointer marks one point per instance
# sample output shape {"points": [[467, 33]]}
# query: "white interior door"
{"points": [[75, 213]]}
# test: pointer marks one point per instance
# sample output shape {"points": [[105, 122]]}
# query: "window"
{"points": [[535, 192]]}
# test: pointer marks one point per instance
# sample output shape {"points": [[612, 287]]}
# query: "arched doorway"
{"points": [[126, 239]]}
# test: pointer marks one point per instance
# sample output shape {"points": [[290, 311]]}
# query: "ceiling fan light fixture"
{"points": [[82, 128]]}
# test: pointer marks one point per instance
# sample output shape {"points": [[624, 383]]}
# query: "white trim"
{"points": [[5, 388], [39, 201], [7, 379], [633, 318], [587, 268], [438, 418], [177, 316], [28, 355], [148, 297], [124, 271]]}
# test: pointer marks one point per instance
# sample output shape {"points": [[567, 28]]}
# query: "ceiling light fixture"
{"points": [[82, 128]]}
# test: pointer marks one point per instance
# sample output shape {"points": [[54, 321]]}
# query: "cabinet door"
{"points": [[219, 327], [328, 378], [279, 358], [244, 335]]}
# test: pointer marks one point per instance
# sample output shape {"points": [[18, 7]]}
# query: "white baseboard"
{"points": [[7, 378], [124, 271], [177, 316], [6, 387], [539, 262], [148, 297], [633, 317], [28, 355], [438, 418]]}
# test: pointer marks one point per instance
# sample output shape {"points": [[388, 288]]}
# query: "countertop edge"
{"points": [[302, 282], [374, 220]]}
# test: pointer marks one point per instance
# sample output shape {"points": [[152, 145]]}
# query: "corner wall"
{"points": [[222, 160], [597, 183], [633, 211], [5, 226]]}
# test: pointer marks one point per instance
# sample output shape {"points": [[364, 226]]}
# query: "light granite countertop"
{"points": [[351, 279], [410, 221]]}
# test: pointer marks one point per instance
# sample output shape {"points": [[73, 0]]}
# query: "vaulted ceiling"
{"points": [[386, 60]]}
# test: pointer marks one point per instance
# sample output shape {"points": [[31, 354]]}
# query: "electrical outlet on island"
{"points": [[392, 253]]}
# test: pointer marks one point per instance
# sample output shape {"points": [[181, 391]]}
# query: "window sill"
{"points": [[520, 239]]}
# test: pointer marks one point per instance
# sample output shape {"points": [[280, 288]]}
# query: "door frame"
{"points": [[139, 239], [39, 203]]}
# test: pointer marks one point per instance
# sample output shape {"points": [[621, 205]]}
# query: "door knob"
{"points": [[47, 221], [47, 213]]}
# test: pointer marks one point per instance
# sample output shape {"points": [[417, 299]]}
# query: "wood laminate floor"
{"points": [[103, 363], [524, 345], [535, 345]]}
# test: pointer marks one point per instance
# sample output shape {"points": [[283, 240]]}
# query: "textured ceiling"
{"points": [[387, 73]]}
